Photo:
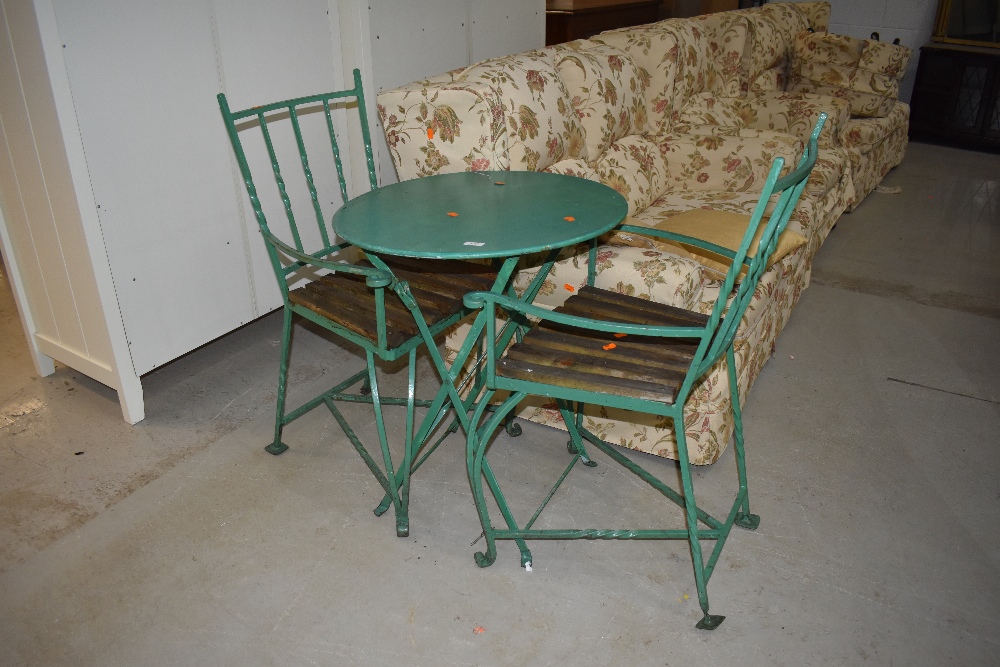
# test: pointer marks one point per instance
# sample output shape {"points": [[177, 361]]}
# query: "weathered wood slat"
{"points": [[585, 361], [563, 377], [668, 314], [345, 298], [647, 368], [663, 356]]}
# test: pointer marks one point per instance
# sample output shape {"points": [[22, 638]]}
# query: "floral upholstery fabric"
{"points": [[427, 135], [879, 144], [636, 168], [713, 160], [655, 53], [865, 73], [792, 113], [646, 273], [816, 14], [606, 90], [541, 126], [675, 115]]}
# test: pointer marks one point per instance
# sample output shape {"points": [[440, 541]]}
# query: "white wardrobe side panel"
{"points": [[62, 200], [28, 211], [410, 41], [143, 78], [503, 28], [269, 52]]}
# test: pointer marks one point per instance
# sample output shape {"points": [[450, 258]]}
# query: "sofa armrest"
{"points": [[440, 127], [647, 273]]}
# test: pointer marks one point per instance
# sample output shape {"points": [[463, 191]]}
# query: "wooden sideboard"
{"points": [[956, 95], [566, 20]]}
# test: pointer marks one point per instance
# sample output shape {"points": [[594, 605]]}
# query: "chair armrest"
{"points": [[373, 277], [477, 300]]}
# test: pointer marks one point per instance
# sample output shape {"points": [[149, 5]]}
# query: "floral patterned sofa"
{"points": [[678, 115]]}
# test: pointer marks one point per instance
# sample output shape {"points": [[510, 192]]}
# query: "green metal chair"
{"points": [[577, 354], [390, 309]]}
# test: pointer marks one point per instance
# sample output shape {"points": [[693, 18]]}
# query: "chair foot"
{"points": [[276, 447], [710, 622], [485, 559], [381, 509], [748, 521], [512, 428], [402, 527]]}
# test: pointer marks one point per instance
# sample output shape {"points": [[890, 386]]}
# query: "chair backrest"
{"points": [[283, 132], [784, 194]]}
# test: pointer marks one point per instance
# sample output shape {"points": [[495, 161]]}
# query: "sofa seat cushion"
{"points": [[540, 125], [722, 228], [606, 90], [805, 218]]}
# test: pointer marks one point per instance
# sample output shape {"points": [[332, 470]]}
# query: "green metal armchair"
{"points": [[389, 310], [619, 351]]}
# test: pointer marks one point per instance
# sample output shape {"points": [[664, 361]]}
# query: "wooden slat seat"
{"points": [[437, 285], [637, 366]]}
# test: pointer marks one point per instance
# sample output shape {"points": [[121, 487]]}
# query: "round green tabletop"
{"points": [[479, 214]]}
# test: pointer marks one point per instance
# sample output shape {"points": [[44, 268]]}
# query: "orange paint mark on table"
{"points": [[479, 630], [569, 218], [569, 288], [453, 214], [610, 346], [430, 132], [499, 183]]}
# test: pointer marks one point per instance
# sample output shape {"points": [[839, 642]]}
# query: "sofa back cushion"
{"points": [[440, 126], [726, 52], [773, 29], [606, 90], [540, 125], [816, 14], [865, 73], [654, 51]]}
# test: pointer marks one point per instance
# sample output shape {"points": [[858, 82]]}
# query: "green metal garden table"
{"points": [[498, 216]]}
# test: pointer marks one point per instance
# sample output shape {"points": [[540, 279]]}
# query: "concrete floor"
{"points": [[872, 455]]}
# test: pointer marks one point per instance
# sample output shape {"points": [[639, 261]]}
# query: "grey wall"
{"points": [[415, 39]]}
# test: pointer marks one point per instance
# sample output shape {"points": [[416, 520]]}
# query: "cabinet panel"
{"points": [[957, 95], [159, 168]]}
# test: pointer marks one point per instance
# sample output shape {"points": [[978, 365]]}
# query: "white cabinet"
{"points": [[123, 222]]}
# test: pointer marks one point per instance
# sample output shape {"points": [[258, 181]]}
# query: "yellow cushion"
{"points": [[719, 227]]}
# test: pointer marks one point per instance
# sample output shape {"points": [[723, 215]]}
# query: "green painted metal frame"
{"points": [[288, 259], [715, 340]]}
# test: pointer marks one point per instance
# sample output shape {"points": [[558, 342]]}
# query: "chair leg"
{"points": [[479, 469], [708, 622], [402, 517], [277, 446], [574, 423], [744, 519]]}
